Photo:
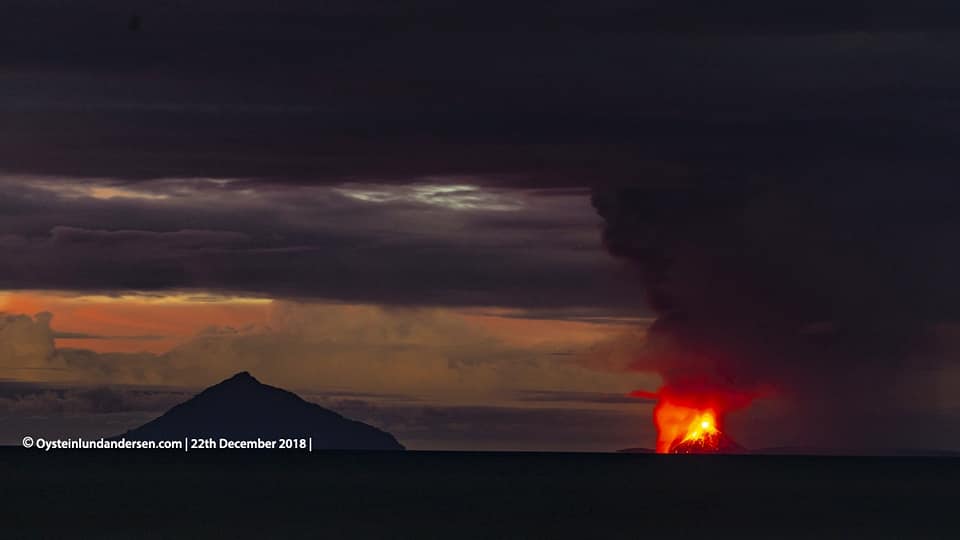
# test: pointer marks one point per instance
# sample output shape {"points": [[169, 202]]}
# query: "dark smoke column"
{"points": [[823, 299]]}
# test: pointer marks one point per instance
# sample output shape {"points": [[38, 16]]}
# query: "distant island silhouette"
{"points": [[242, 407]]}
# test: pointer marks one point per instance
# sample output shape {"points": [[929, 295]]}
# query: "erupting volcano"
{"points": [[690, 424]]}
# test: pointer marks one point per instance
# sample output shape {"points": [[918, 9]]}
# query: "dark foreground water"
{"points": [[236, 494]]}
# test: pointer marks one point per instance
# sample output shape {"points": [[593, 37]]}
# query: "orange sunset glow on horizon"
{"points": [[134, 323], [156, 323]]}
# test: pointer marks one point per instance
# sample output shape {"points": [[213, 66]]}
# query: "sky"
{"points": [[481, 227]]}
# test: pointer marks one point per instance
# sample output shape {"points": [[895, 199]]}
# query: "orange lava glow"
{"points": [[690, 420], [685, 427]]}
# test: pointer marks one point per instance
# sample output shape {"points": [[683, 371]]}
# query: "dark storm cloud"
{"points": [[421, 244], [560, 95], [284, 99]]}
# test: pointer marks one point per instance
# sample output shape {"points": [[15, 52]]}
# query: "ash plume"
{"points": [[837, 300]]}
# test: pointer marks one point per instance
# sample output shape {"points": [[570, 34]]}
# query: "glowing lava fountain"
{"points": [[689, 427]]}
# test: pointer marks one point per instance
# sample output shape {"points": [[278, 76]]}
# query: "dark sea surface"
{"points": [[295, 494]]}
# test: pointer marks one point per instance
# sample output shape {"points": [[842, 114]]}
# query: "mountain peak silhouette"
{"points": [[242, 379], [241, 407]]}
